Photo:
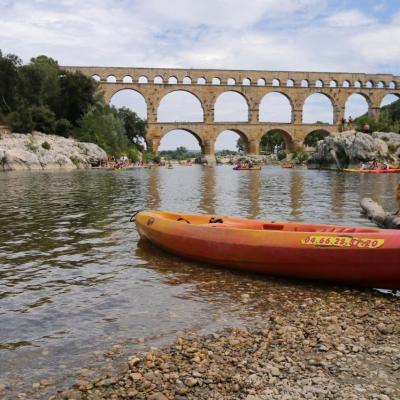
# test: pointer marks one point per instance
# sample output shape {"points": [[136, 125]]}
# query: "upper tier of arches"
{"points": [[306, 82]]}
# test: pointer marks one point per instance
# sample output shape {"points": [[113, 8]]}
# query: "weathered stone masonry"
{"points": [[206, 84]]}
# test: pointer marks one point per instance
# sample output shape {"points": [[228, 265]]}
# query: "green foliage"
{"points": [[40, 96], [388, 120], [281, 155], [78, 95], [44, 120], [180, 154], [46, 145], [150, 157], [105, 128], [135, 127], [75, 160], [8, 82], [31, 143], [63, 127], [133, 154], [272, 139], [21, 120], [300, 156], [312, 138]]}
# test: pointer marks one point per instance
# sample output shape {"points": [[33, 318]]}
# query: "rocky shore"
{"points": [[38, 151], [348, 149], [345, 346]]}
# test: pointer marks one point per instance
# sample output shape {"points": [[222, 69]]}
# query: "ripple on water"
{"points": [[74, 280]]}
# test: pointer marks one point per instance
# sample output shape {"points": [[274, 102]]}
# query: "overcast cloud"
{"points": [[316, 35]]}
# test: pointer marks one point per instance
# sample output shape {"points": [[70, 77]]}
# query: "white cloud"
{"points": [[349, 19], [380, 45], [225, 34]]}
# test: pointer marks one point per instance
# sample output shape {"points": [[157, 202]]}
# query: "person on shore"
{"points": [[343, 124], [366, 128], [350, 122]]}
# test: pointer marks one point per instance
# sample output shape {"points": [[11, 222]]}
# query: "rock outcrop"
{"points": [[348, 149], [39, 151]]}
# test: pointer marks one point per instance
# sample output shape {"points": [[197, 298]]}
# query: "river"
{"points": [[77, 288]]}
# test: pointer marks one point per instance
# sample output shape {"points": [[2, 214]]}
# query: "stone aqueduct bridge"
{"points": [[206, 84]]}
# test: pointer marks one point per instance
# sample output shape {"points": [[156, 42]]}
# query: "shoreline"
{"points": [[345, 345]]}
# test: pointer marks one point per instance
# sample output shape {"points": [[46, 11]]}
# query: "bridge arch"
{"points": [[357, 104], [319, 107], [180, 105], [132, 99], [179, 133], [314, 136], [127, 79], [231, 106], [273, 137], [276, 106], [241, 134]]}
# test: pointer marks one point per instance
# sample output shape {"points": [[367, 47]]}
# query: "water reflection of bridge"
{"points": [[273, 193]]}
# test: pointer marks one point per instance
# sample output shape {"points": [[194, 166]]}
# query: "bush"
{"points": [[63, 127], [150, 157], [31, 144], [133, 154], [75, 160], [43, 118], [300, 156], [46, 145], [281, 155], [21, 121]]}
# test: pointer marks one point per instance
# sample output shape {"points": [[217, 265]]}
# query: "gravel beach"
{"points": [[344, 345]]}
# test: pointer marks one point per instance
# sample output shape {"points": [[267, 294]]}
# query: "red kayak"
{"points": [[376, 171], [359, 256]]}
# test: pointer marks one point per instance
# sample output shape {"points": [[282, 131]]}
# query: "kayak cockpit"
{"points": [[237, 223]]}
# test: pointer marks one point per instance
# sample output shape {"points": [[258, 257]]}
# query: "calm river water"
{"points": [[75, 281]]}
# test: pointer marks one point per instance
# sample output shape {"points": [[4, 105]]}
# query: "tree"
{"points": [[135, 127], [312, 138], [106, 129], [272, 139], [78, 94], [8, 82]]}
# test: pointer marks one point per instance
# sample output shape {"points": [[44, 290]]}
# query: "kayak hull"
{"points": [[247, 169], [357, 256]]}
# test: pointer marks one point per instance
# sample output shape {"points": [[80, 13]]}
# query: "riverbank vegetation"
{"points": [[40, 96], [388, 120]]}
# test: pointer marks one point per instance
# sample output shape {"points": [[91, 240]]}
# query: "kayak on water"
{"points": [[254, 168], [350, 255], [376, 171]]}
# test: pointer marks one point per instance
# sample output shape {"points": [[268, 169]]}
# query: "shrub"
{"points": [[281, 155], [21, 120], [46, 145], [133, 154], [43, 118], [31, 143], [75, 160], [63, 127]]}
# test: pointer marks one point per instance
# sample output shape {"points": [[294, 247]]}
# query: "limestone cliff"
{"points": [[39, 151], [348, 149]]}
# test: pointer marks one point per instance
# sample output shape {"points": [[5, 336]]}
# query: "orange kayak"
{"points": [[359, 256]]}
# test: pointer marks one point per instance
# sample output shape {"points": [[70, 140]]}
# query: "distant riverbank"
{"points": [[38, 151]]}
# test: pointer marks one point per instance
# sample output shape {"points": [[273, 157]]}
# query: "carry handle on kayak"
{"points": [[132, 218]]}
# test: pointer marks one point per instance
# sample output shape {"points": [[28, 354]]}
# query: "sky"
{"points": [[310, 35]]}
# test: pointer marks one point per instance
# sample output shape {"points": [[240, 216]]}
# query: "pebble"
{"points": [[339, 347]]}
